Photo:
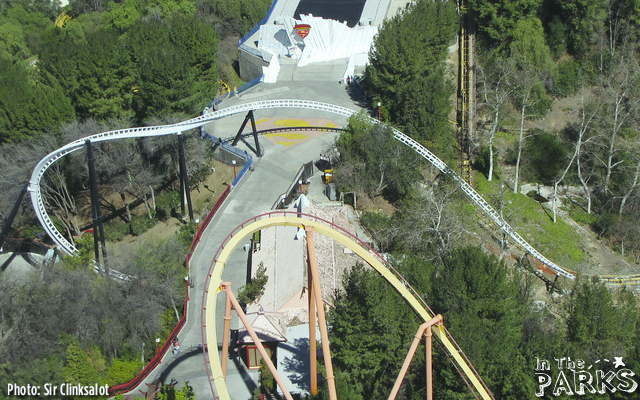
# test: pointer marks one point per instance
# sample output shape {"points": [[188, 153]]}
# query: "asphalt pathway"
{"points": [[271, 176]]}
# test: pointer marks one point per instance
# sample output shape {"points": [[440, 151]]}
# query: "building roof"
{"points": [[264, 328]]}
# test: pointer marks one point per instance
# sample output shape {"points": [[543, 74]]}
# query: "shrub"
{"points": [[580, 216], [166, 204], [545, 156], [567, 80], [605, 224], [482, 162], [186, 234], [542, 102], [140, 223], [115, 230], [122, 371]]}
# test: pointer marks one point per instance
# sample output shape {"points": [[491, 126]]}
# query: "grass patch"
{"points": [[534, 223], [581, 216]]}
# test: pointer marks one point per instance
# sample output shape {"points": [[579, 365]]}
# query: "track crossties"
{"points": [[339, 10]]}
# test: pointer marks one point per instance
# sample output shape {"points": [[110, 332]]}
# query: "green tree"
{"points": [[169, 392], [373, 162], [584, 18], [529, 48], [484, 309], [78, 368], [423, 113], [497, 19], [405, 73], [31, 101], [238, 16], [175, 60], [368, 346], [545, 157], [597, 327], [254, 289]]}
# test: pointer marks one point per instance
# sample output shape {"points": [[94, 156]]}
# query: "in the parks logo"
{"points": [[302, 30], [576, 378]]}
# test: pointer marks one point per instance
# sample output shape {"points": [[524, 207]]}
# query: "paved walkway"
{"points": [[256, 193]]}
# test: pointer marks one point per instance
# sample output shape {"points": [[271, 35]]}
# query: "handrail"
{"points": [[38, 204], [128, 386]]}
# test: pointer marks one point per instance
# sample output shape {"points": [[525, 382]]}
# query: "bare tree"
{"points": [[497, 88], [114, 162], [635, 183], [432, 220], [620, 93], [525, 99], [588, 113], [58, 198], [16, 163]]}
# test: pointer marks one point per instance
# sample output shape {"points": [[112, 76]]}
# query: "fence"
{"points": [[243, 171], [132, 384], [304, 173]]}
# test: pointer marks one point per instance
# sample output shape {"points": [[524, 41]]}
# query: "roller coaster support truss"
{"points": [[423, 330], [14, 211], [96, 214], [226, 287], [314, 225], [185, 193], [255, 132], [315, 292]]}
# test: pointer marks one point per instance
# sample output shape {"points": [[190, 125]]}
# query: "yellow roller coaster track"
{"points": [[466, 95], [303, 221], [62, 19]]}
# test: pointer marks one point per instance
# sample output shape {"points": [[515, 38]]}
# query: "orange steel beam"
{"points": [[226, 286], [225, 335], [437, 320], [312, 336], [429, 364], [322, 322], [302, 220]]}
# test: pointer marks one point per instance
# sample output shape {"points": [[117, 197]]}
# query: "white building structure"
{"points": [[275, 42]]}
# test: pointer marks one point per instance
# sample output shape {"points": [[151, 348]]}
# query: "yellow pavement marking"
{"points": [[291, 136], [291, 122]]}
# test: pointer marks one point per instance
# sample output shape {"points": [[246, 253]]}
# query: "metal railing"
{"points": [[38, 205]]}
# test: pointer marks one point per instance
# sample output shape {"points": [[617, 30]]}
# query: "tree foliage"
{"points": [[373, 162], [488, 309], [254, 289], [407, 75], [497, 19]]}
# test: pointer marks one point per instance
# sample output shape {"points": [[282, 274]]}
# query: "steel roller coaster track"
{"points": [[177, 129]]}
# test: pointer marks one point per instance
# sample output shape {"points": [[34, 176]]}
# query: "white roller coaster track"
{"points": [[175, 129]]}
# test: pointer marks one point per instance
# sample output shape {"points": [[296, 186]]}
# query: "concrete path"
{"points": [[255, 194]]}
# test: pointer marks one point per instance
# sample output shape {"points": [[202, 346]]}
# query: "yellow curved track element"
{"points": [[292, 219], [226, 90], [62, 19]]}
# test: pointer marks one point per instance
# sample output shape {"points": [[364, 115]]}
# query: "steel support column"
{"points": [[185, 193], [225, 335], [247, 118], [96, 213], [12, 215], [322, 321], [437, 320], [226, 286], [313, 353]]}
